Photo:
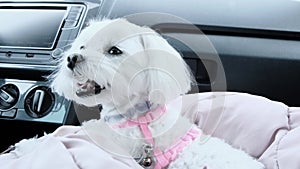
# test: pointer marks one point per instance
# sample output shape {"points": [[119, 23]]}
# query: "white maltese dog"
{"points": [[138, 78]]}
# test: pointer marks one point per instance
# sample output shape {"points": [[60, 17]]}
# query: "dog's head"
{"points": [[115, 62]]}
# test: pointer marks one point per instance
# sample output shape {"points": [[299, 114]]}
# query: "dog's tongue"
{"points": [[88, 88]]}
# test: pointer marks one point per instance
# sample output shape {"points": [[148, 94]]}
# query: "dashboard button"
{"points": [[73, 16], [9, 113], [70, 24], [77, 9]]}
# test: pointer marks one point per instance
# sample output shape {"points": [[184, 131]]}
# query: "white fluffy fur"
{"points": [[25, 146], [148, 70]]}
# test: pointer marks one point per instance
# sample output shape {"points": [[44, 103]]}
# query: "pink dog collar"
{"points": [[163, 158]]}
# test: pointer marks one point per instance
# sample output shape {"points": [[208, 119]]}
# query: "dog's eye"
{"points": [[114, 51], [82, 47]]}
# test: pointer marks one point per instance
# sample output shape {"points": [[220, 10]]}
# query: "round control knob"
{"points": [[9, 95], [39, 102]]}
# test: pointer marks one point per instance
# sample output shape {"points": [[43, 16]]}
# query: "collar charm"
{"points": [[147, 157]]}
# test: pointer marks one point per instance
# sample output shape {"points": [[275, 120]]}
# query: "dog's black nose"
{"points": [[73, 59]]}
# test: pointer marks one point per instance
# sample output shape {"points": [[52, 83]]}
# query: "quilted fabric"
{"points": [[266, 129]]}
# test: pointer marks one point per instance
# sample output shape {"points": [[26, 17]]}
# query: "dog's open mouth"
{"points": [[89, 88]]}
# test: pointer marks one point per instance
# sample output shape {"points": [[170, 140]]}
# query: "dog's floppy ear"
{"points": [[168, 75]]}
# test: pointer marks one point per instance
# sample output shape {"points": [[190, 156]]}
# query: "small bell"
{"points": [[146, 162]]}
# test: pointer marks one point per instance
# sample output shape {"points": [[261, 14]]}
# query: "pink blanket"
{"points": [[266, 129]]}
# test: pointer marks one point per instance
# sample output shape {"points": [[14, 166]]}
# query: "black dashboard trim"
{"points": [[228, 31]]}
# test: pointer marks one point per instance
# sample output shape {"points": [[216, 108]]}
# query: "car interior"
{"points": [[253, 48]]}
